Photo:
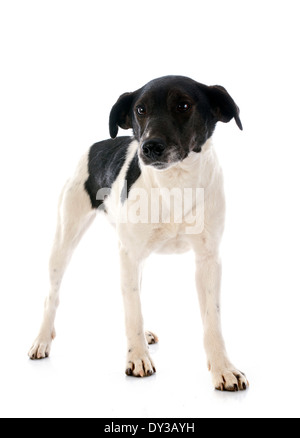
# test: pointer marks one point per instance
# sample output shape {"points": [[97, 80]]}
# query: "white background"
{"points": [[63, 65]]}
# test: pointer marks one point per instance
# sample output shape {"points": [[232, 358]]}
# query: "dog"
{"points": [[170, 153]]}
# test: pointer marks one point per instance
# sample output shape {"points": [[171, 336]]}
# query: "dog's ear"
{"points": [[120, 114], [222, 105]]}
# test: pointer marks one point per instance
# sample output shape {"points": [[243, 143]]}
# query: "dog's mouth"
{"points": [[158, 154], [163, 163], [159, 165]]}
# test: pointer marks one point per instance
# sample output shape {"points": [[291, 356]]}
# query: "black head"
{"points": [[171, 117]]}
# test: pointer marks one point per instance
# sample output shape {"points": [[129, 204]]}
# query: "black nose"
{"points": [[153, 148]]}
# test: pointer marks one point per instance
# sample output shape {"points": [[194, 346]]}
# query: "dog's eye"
{"points": [[183, 107], [141, 110]]}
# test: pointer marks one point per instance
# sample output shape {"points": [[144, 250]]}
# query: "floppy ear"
{"points": [[223, 106], [120, 114]]}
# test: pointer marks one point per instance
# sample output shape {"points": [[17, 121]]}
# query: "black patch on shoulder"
{"points": [[106, 160], [133, 173]]}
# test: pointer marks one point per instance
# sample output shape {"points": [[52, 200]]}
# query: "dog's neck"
{"points": [[194, 171]]}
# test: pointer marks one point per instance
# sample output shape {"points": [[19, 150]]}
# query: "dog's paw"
{"points": [[229, 379], [151, 337], [139, 364], [41, 347]]}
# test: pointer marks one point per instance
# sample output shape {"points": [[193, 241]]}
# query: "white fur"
{"points": [[137, 241], [74, 217]]}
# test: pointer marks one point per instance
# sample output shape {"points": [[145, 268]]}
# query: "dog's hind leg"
{"points": [[151, 337], [75, 215]]}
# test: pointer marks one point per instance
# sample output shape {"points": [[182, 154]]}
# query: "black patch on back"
{"points": [[106, 160], [133, 173]]}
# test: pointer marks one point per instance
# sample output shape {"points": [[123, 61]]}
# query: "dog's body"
{"points": [[172, 119]]}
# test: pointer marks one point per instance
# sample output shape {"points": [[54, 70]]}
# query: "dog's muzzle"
{"points": [[153, 153]]}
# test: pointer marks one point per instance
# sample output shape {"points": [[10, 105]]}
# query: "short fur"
{"points": [[173, 119]]}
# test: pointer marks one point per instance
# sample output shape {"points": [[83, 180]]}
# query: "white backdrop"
{"points": [[63, 65]]}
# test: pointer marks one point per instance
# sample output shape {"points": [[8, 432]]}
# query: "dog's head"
{"points": [[171, 117]]}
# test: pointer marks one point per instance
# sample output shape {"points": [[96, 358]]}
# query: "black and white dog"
{"points": [[163, 190]]}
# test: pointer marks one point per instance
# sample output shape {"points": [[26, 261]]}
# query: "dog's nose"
{"points": [[153, 148]]}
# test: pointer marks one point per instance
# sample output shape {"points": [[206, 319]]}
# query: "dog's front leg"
{"points": [[139, 363], [208, 278]]}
